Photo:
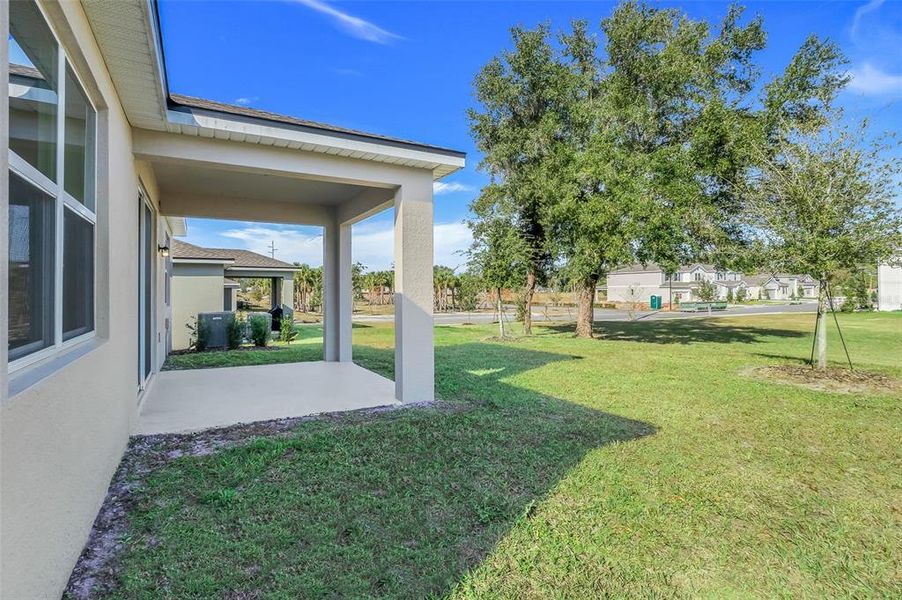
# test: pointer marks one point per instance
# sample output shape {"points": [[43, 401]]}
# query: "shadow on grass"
{"points": [[684, 331], [803, 360], [400, 504]]}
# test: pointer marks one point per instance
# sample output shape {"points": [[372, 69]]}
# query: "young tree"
{"points": [[730, 298], [707, 291], [469, 288], [500, 256], [857, 287], [520, 92], [741, 294], [824, 203]]}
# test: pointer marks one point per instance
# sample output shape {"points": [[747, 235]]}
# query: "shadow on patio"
{"points": [[399, 503]]}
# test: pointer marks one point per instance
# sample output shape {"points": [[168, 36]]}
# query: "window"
{"points": [[78, 275], [52, 135], [33, 89], [31, 257]]}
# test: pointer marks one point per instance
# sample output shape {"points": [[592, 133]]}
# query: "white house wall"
{"points": [[61, 438], [889, 287], [646, 285]]}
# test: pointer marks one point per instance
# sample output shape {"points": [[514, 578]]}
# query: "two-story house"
{"points": [[638, 283]]}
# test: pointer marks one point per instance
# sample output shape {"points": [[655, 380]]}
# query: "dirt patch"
{"points": [[215, 350], [831, 379], [97, 570]]}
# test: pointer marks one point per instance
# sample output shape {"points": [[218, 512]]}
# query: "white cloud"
{"points": [[373, 244], [354, 26], [441, 187], [861, 12], [870, 80], [292, 245], [245, 100]]}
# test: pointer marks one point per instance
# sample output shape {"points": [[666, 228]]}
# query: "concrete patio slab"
{"points": [[197, 399]]}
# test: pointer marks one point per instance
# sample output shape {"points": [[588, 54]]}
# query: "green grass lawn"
{"points": [[641, 464], [308, 346]]}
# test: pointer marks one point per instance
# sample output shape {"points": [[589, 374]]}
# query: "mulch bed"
{"points": [[832, 379]]}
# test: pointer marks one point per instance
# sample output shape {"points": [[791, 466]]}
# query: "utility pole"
{"points": [[272, 248], [670, 283]]}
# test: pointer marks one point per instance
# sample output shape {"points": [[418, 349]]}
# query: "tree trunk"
{"points": [[586, 313], [527, 299], [500, 316], [822, 329]]}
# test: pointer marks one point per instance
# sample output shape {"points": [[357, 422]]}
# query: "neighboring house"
{"points": [[103, 165], [637, 283], [889, 285], [781, 286], [203, 280]]}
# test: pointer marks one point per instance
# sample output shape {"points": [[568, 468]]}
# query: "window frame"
{"points": [[62, 201]]}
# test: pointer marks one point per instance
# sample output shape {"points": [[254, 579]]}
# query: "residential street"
{"points": [[559, 314]]}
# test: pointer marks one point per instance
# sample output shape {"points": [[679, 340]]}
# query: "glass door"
{"points": [[145, 290]]}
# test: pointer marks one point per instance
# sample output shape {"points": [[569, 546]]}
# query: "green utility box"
{"points": [[655, 302]]}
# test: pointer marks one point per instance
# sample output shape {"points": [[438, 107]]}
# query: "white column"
{"points": [[337, 292], [414, 353]]}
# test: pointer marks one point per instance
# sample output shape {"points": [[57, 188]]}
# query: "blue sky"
{"points": [[405, 69]]}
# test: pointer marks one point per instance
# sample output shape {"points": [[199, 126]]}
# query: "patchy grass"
{"points": [[641, 464], [308, 346]]}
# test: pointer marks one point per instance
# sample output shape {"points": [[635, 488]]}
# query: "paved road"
{"points": [[611, 314]]}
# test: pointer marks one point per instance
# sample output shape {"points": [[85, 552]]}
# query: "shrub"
{"points": [[287, 332], [740, 295], [707, 291], [198, 334], [235, 332], [730, 295], [260, 325]]}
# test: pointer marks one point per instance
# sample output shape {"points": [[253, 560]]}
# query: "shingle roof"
{"points": [[241, 258], [755, 280], [182, 249], [181, 101], [638, 268]]}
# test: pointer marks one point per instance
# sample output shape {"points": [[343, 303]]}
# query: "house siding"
{"points": [[61, 439], [889, 287], [646, 285], [196, 288]]}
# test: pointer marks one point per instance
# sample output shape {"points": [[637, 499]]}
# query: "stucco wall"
{"points": [[63, 436], [288, 291], [195, 288], [889, 287], [646, 285]]}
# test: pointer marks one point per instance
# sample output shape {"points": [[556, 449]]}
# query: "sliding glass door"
{"points": [[145, 290]]}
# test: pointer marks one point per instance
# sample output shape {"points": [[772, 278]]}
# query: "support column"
{"points": [[338, 292], [414, 352], [275, 291]]}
